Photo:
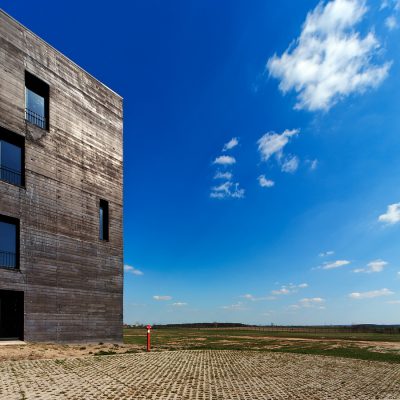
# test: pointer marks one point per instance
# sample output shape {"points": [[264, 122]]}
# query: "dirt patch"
{"points": [[38, 351]]}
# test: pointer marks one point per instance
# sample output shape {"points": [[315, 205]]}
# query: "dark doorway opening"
{"points": [[11, 315]]}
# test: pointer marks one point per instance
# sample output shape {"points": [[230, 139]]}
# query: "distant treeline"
{"points": [[359, 328], [206, 325]]}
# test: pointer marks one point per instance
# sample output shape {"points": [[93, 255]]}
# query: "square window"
{"points": [[12, 157], [36, 101], [9, 242]]}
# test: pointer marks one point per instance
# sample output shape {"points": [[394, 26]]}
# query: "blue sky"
{"points": [[261, 153]]}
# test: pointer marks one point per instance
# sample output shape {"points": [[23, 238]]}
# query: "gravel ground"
{"points": [[199, 375]]}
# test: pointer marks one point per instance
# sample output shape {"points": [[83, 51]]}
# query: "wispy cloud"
{"points": [[371, 294], [250, 297], [393, 4], [290, 165], [231, 144], [239, 306], [282, 290], [330, 60], [132, 270], [162, 298], [272, 144], [391, 22], [179, 304], [227, 190], [225, 160], [326, 253], [392, 215], [373, 266], [223, 175], [334, 264], [288, 289], [393, 302], [264, 182], [313, 164], [309, 302]]}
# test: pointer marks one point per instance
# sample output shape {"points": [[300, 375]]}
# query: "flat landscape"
{"points": [[207, 364], [366, 346]]}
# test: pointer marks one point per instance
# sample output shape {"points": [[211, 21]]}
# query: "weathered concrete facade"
{"points": [[71, 281]]}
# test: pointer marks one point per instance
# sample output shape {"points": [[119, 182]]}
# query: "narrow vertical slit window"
{"points": [[103, 220], [9, 242], [36, 101]]}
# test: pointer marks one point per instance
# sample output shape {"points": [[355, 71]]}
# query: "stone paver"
{"points": [[196, 375]]}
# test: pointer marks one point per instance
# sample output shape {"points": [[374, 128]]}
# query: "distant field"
{"points": [[366, 346]]}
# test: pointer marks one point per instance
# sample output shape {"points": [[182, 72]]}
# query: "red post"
{"points": [[148, 337]]}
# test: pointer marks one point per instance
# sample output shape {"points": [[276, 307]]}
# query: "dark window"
{"points": [[103, 216], [9, 242], [36, 101], [12, 149]]}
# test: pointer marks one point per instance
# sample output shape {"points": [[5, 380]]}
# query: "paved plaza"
{"points": [[199, 375]]}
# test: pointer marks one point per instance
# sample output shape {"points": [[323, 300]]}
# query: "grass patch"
{"points": [[346, 352], [323, 343], [105, 353]]}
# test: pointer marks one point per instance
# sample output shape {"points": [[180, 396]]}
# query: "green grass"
{"points": [[190, 332], [347, 352], [325, 343]]}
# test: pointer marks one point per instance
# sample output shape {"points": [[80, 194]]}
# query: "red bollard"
{"points": [[148, 337]]}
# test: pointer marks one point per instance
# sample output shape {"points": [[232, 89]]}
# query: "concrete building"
{"points": [[61, 247]]}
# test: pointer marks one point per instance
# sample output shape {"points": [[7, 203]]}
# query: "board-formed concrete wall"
{"points": [[72, 281]]}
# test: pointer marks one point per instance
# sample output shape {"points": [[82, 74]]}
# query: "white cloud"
{"points": [[179, 304], [273, 143], [162, 298], [371, 294], [395, 4], [239, 306], [313, 164], [288, 289], [335, 264], [231, 144], [132, 270], [373, 266], [330, 60], [326, 253], [309, 302], [393, 302], [226, 190], [385, 4], [290, 165], [392, 215], [250, 297], [223, 175], [282, 290], [225, 160], [391, 23], [264, 182]]}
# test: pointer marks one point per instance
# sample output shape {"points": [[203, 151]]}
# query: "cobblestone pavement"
{"points": [[200, 375]]}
